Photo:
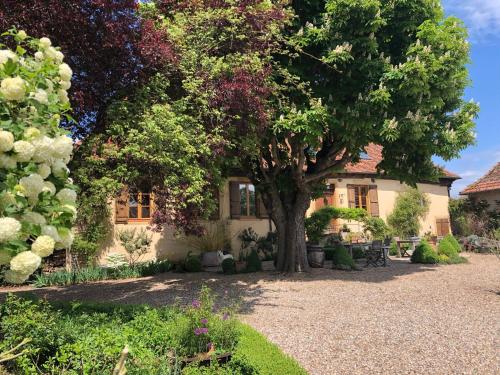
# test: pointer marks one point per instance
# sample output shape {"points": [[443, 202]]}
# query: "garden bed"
{"points": [[87, 338]]}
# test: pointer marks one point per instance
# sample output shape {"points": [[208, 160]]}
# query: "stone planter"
{"points": [[209, 259], [315, 256], [268, 265]]}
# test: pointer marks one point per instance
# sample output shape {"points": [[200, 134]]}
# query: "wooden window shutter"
{"points": [[260, 209], [121, 207], [442, 227], [215, 215], [373, 196], [351, 196], [234, 200]]}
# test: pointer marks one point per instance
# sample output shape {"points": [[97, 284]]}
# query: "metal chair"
{"points": [[375, 255]]}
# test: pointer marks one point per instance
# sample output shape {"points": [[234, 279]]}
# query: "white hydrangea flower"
{"points": [[66, 240], [24, 151], [6, 54], [65, 85], [44, 170], [6, 140], [43, 246], [7, 162], [31, 133], [5, 257], [9, 228], [45, 42], [13, 88], [51, 231], [26, 262], [65, 72], [63, 96], [13, 277], [49, 186], [54, 54], [41, 96], [59, 169], [62, 147], [43, 149], [7, 198], [34, 218], [21, 34], [33, 185], [66, 196], [39, 56]]}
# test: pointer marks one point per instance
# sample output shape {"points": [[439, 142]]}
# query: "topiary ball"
{"points": [[229, 266], [446, 247], [424, 254], [341, 257], [254, 263], [192, 264]]}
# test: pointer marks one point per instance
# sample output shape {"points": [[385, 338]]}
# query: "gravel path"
{"points": [[403, 319]]}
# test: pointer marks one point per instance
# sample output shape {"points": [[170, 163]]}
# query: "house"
{"points": [[486, 188], [240, 207]]}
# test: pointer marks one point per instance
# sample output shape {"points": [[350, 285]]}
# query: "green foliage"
{"points": [[376, 227], [472, 216], [447, 247], [317, 223], [393, 249], [410, 207], [254, 263], [342, 258], [136, 244], [214, 238], [192, 263], [424, 254], [229, 266], [86, 249], [90, 274], [357, 252], [200, 325]]}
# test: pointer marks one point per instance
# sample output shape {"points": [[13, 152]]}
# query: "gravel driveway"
{"points": [[403, 319]]}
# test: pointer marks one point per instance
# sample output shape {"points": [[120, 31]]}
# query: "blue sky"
{"points": [[482, 18]]}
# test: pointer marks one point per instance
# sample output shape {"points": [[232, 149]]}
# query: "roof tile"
{"points": [[490, 181]]}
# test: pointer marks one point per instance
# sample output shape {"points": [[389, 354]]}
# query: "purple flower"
{"points": [[204, 321], [225, 316], [196, 304], [200, 331]]}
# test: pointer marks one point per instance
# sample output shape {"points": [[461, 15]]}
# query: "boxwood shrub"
{"points": [[424, 253]]}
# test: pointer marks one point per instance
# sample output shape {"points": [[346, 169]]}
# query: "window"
{"points": [[139, 206], [361, 197], [247, 200]]}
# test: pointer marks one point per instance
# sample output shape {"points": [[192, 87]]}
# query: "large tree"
{"points": [[298, 92]]}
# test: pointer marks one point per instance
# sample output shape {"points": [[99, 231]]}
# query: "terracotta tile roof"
{"points": [[490, 181], [369, 165]]}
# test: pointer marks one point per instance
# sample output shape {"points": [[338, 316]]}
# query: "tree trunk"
{"points": [[289, 218]]}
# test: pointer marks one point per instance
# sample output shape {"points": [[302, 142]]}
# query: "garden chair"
{"points": [[375, 255]]}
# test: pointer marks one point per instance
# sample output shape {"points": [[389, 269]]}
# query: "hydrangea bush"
{"points": [[37, 197]]}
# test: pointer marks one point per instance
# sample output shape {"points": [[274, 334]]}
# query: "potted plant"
{"points": [[266, 247], [316, 225], [213, 240]]}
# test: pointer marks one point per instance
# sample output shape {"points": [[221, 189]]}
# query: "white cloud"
{"points": [[482, 17]]}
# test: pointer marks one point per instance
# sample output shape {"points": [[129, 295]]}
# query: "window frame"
{"points": [[140, 206], [247, 197], [358, 196]]}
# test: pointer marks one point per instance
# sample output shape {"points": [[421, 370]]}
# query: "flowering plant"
{"points": [[37, 198], [204, 327]]}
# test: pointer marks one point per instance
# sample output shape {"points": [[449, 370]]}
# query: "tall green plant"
{"points": [[411, 207], [317, 223]]}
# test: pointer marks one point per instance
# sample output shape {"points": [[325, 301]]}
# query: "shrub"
{"points": [[192, 263], [84, 248], [393, 249], [136, 244], [329, 250], [456, 259], [254, 263], [229, 266], [424, 254], [357, 253], [341, 257], [447, 248], [376, 227], [454, 242], [317, 223], [411, 206]]}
